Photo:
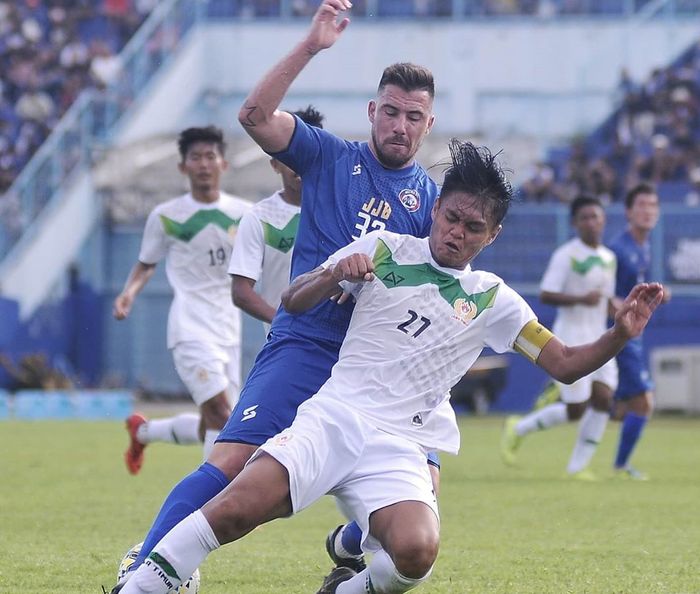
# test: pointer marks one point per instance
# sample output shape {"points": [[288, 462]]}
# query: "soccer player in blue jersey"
{"points": [[348, 190], [634, 398]]}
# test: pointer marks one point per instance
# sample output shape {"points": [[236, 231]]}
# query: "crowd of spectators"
{"points": [[50, 50], [438, 8], [653, 136]]}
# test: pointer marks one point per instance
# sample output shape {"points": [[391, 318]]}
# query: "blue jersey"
{"points": [[633, 262], [633, 266], [346, 193]]}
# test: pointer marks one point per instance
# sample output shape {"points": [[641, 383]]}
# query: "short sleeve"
{"points": [[554, 278], [154, 244], [248, 249], [510, 314], [304, 148]]}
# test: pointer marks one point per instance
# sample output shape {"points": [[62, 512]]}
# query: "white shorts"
{"points": [[207, 369], [580, 391], [330, 449]]}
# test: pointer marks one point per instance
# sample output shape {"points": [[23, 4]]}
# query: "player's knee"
{"points": [[414, 558], [230, 458], [215, 412], [575, 410]]}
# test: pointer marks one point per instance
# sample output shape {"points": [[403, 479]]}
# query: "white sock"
{"points": [[380, 576], [175, 557], [210, 436], [549, 416], [590, 432], [182, 429]]}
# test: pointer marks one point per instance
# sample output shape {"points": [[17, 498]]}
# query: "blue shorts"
{"points": [[634, 376], [288, 370]]}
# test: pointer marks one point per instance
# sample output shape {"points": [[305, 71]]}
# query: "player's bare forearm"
{"points": [[245, 298], [260, 116], [307, 290], [138, 277], [568, 364], [566, 299]]}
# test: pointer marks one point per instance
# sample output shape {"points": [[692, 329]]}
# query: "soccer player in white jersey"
{"points": [[580, 282], [262, 257], [421, 319], [195, 234]]}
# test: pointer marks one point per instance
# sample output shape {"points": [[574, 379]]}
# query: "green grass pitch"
{"points": [[69, 511]]}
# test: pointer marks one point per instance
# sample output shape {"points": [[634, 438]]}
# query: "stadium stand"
{"points": [[50, 50], [133, 355], [652, 136]]}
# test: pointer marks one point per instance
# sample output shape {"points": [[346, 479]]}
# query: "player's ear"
{"points": [[371, 110], [494, 234], [436, 207], [181, 167]]}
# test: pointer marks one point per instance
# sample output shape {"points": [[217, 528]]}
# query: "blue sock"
{"points": [[630, 432], [187, 496], [350, 538]]}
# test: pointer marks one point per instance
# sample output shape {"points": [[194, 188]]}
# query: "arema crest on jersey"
{"points": [[191, 227], [281, 239], [466, 306]]}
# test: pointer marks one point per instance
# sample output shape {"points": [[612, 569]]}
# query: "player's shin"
{"points": [[175, 557], [380, 576]]}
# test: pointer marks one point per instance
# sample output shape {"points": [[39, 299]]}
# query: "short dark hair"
{"points": [[584, 200], [310, 115], [475, 171], [642, 188], [210, 134], [409, 77]]}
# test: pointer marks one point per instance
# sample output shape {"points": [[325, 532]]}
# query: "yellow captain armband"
{"points": [[532, 339]]}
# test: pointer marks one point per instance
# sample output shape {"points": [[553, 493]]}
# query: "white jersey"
{"points": [[415, 331], [576, 269], [263, 250], [196, 239]]}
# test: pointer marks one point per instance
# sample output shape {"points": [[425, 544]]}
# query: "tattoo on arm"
{"points": [[249, 123]]}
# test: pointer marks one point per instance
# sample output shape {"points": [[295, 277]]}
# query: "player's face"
{"points": [[644, 213], [291, 182], [589, 223], [400, 121], [203, 165], [461, 228]]}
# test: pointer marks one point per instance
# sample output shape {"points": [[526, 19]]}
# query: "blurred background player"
{"points": [[195, 234], [262, 257], [634, 397], [580, 282], [348, 190]]}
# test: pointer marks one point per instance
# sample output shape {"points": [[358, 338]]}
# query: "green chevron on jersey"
{"points": [[586, 265], [189, 229], [281, 239], [413, 275]]}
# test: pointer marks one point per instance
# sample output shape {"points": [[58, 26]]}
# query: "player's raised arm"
{"points": [[311, 288], [271, 128], [568, 364]]}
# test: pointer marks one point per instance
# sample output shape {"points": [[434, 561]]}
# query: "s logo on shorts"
{"points": [[249, 413]]}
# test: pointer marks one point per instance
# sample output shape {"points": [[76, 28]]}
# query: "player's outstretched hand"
{"points": [[325, 28], [354, 268], [636, 310]]}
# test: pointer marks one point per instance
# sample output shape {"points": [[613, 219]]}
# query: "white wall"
{"points": [[40, 259], [549, 78]]}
